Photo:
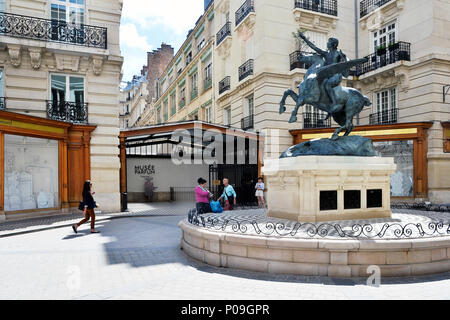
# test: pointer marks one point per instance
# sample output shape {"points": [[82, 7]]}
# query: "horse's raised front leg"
{"points": [[299, 103], [288, 92]]}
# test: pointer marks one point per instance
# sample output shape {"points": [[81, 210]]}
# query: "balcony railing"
{"points": [[322, 6], [207, 83], [247, 122], [182, 103], [20, 26], [384, 117], [223, 33], [194, 94], [244, 11], [293, 60], [367, 6], [246, 69], [67, 111], [2, 103], [383, 57], [224, 85], [315, 120]]}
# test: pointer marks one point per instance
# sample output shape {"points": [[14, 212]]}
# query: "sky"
{"points": [[147, 23]]}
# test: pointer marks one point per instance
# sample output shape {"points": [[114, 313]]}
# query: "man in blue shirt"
{"points": [[229, 195]]}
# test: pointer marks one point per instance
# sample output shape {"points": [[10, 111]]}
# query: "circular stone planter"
{"points": [[314, 256]]}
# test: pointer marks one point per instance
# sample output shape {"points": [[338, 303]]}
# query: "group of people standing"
{"points": [[203, 196]]}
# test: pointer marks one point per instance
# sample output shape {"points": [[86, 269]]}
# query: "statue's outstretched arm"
{"points": [[312, 45]]}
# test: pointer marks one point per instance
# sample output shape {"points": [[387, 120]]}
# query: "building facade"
{"points": [[133, 100], [255, 59], [60, 67]]}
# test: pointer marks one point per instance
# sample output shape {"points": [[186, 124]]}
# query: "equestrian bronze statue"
{"points": [[321, 87]]}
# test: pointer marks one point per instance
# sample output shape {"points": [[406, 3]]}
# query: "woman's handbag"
{"points": [[81, 206]]}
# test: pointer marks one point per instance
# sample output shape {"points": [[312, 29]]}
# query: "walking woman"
{"points": [[89, 206]]}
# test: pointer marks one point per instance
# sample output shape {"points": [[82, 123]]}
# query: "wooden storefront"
{"points": [[72, 142], [415, 132]]}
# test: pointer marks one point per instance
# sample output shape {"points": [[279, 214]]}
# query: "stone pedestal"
{"points": [[328, 188]]}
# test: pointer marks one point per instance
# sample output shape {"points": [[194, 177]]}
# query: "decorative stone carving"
{"points": [[320, 22], [35, 57], [224, 48], [246, 27], [15, 56], [402, 76], [97, 65]]}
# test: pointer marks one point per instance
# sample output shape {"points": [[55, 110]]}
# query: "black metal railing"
{"points": [[400, 51], [224, 85], [322, 6], [2, 103], [244, 11], [295, 63], [223, 33], [367, 6], [248, 122], [246, 69], [68, 111], [384, 117], [20, 26], [315, 120]]}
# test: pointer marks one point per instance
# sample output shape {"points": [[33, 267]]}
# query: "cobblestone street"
{"points": [[138, 257]]}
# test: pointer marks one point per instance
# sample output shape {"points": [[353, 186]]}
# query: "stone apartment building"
{"points": [[60, 67], [254, 60], [133, 100]]}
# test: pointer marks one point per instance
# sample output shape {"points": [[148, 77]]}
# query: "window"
{"points": [[385, 36], [182, 98], [166, 110], [173, 101], [250, 109], [208, 114], [201, 45], [2, 94], [188, 58], [386, 106], [66, 88], [69, 11], [227, 116]]}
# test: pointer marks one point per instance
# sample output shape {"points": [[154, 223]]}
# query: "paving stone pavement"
{"points": [[139, 258]]}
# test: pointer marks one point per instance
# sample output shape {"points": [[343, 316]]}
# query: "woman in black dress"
{"points": [[89, 206]]}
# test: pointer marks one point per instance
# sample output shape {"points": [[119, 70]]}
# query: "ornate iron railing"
{"points": [[20, 26], [246, 69], [400, 51], [384, 117], [322, 6], [244, 11], [367, 6], [224, 32], [315, 120], [248, 122], [295, 63], [2, 103], [224, 85], [355, 231], [68, 111], [207, 83]]}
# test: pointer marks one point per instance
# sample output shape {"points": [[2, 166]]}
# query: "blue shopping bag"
{"points": [[216, 207]]}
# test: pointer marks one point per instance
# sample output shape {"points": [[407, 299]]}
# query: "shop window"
{"points": [[31, 173], [402, 181]]}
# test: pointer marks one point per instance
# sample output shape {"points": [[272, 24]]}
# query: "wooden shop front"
{"points": [[43, 164], [406, 142]]}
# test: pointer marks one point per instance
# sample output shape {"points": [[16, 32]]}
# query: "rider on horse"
{"points": [[332, 56]]}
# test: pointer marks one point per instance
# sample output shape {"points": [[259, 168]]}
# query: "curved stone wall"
{"points": [[316, 257]]}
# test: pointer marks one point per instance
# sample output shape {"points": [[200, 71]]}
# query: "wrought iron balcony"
{"points": [[223, 33], [315, 120], [19, 26], [244, 11], [207, 83], [322, 6], [247, 122], [224, 85], [293, 60], [2, 103], [246, 69], [67, 111], [384, 56], [194, 94], [367, 6], [384, 117]]}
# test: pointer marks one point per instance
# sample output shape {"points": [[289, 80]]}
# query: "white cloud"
{"points": [[177, 15], [129, 37]]}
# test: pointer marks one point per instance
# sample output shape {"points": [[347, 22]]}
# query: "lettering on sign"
{"points": [[144, 169]]}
